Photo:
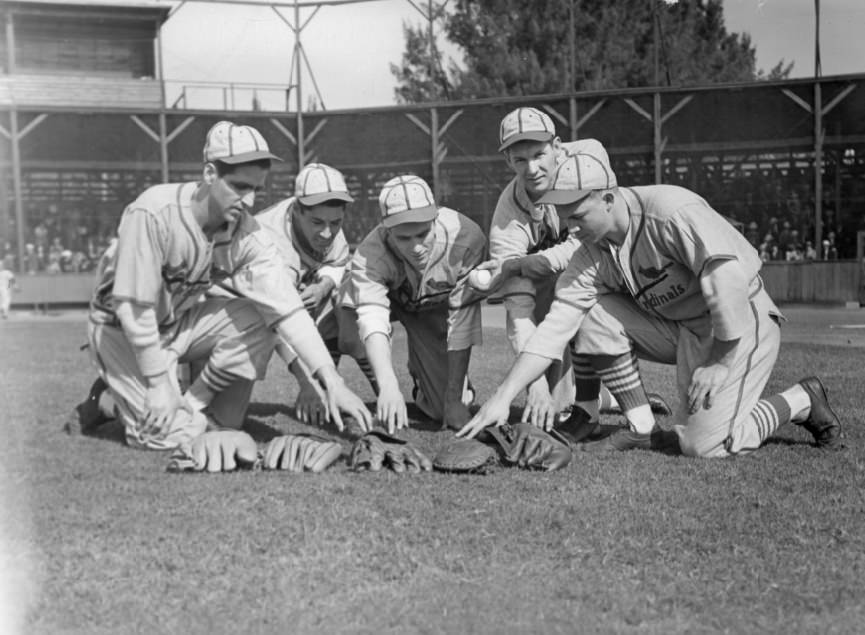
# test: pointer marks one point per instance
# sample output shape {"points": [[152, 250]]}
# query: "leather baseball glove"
{"points": [[215, 451], [300, 452], [466, 456], [529, 447], [376, 450]]}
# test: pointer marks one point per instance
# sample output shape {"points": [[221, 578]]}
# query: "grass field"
{"points": [[98, 538]]}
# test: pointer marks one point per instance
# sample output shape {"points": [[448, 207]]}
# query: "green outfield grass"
{"points": [[98, 538]]}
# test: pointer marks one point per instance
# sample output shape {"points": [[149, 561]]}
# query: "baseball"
{"points": [[480, 279]]}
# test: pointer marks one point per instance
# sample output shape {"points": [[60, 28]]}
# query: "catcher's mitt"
{"points": [[376, 450], [299, 452], [527, 446], [466, 455]]}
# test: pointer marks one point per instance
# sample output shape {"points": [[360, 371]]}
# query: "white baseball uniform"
{"points": [[162, 264], [435, 306], [305, 264], [7, 283], [519, 228], [647, 293]]}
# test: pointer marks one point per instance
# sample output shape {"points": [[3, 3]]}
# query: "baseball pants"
{"points": [[617, 324], [227, 335]]}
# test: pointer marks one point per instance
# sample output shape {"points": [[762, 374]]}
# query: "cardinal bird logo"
{"points": [[654, 273]]}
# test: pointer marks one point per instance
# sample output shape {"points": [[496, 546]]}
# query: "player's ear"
{"points": [[209, 173], [609, 198]]}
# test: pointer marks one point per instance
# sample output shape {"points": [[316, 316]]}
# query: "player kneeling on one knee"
{"points": [[149, 311], [660, 274], [413, 268]]}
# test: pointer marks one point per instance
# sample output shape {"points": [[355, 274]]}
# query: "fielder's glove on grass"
{"points": [[299, 452], [378, 450], [216, 451]]}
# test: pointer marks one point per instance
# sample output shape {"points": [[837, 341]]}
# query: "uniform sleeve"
{"points": [[701, 250], [262, 277], [334, 268], [576, 294], [367, 285], [141, 248], [464, 320]]}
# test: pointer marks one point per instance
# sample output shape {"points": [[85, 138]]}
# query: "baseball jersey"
{"points": [[163, 261], [379, 276], [520, 228], [305, 264], [7, 280], [673, 235]]}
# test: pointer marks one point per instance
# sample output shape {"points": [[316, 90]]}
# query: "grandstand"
{"points": [[82, 132]]}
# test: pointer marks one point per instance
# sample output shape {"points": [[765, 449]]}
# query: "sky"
{"points": [[350, 47]]}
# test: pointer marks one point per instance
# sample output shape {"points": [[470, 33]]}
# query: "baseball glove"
{"points": [[299, 452], [527, 446], [467, 456], [215, 451], [376, 450]]}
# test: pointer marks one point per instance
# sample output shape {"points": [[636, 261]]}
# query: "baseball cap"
{"points": [[525, 124], [317, 183], [406, 199], [233, 144], [578, 176]]}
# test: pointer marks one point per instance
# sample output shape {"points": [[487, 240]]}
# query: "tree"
{"points": [[513, 47]]}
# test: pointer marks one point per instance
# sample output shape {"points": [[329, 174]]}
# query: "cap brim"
{"points": [[538, 135], [248, 157], [564, 197], [419, 215], [315, 199]]}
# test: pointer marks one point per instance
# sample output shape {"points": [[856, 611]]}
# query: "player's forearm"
{"points": [[299, 332], [527, 368], [725, 291], [377, 346], [722, 352], [141, 330]]}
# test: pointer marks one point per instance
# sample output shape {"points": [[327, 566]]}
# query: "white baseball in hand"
{"points": [[480, 279]]}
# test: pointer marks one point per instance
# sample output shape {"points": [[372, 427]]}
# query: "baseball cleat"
{"points": [[625, 439], [86, 417], [578, 426], [658, 404], [822, 422]]}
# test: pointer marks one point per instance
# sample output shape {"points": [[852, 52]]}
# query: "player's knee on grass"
{"points": [[697, 444]]}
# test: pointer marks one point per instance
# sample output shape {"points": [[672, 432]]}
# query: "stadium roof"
{"points": [[88, 7]]}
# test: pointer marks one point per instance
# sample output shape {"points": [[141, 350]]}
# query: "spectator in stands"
{"points": [[9, 258], [830, 249], [810, 252], [752, 234], [794, 247], [768, 249], [31, 258]]}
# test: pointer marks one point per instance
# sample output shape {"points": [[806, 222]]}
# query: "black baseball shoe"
{"points": [[86, 417], [822, 422], [578, 426], [625, 439], [656, 402]]}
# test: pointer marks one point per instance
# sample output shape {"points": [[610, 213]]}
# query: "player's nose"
{"points": [[248, 199]]}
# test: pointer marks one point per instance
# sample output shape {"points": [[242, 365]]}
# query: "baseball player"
{"points": [[7, 286], [412, 268], [534, 248], [307, 228], [659, 273], [149, 312]]}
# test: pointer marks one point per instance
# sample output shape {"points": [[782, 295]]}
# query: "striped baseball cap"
{"points": [[233, 144], [525, 124], [406, 199], [578, 176], [317, 183]]}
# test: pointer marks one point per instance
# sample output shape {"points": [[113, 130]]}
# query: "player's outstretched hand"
{"points": [[215, 451], [340, 399], [161, 402], [706, 382], [540, 408], [311, 405], [390, 408], [493, 413], [456, 414]]}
